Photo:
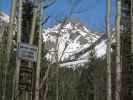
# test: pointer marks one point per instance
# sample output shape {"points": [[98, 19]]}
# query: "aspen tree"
{"points": [[109, 85], [118, 57], [9, 45]]}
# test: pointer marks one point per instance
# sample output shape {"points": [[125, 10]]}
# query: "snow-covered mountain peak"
{"points": [[73, 37], [4, 17]]}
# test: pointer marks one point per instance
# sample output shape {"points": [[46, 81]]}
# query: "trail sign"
{"points": [[27, 52], [25, 78]]}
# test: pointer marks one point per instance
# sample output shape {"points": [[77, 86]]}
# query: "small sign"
{"points": [[27, 52]]}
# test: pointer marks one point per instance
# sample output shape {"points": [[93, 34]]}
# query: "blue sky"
{"points": [[92, 12]]}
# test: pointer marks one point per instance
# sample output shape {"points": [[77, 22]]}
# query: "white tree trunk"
{"points": [[45, 77], [9, 45], [118, 57], [17, 59], [46, 91], [33, 21], [38, 69], [30, 64], [57, 71], [109, 85]]}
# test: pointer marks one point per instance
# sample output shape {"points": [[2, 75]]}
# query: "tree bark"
{"points": [[45, 77], [9, 45], [18, 61], [57, 71], [109, 85], [118, 57], [46, 91], [38, 69]]}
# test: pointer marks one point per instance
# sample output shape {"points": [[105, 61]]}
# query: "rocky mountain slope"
{"points": [[73, 38]]}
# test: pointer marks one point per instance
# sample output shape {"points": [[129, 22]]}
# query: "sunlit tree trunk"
{"points": [[118, 57], [19, 32], [38, 69], [109, 85]]}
